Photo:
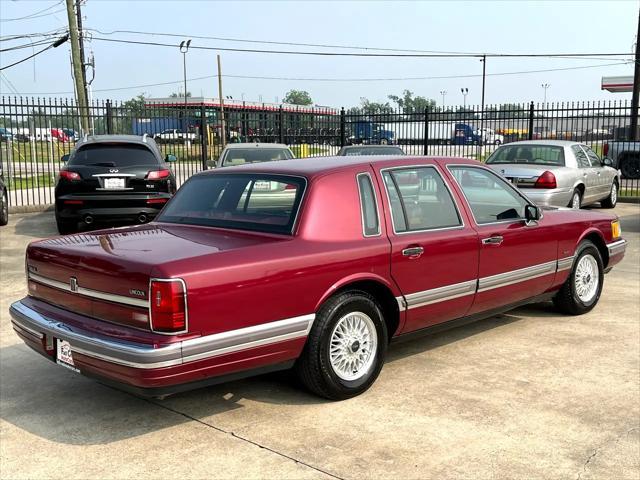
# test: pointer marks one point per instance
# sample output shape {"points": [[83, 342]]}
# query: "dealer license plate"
{"points": [[64, 356], [262, 185], [114, 183]]}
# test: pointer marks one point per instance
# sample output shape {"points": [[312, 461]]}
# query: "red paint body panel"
{"points": [[237, 280]]}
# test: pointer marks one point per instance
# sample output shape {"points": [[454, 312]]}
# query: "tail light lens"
{"points": [[605, 150], [546, 180], [168, 306], [71, 176], [158, 174], [155, 201]]}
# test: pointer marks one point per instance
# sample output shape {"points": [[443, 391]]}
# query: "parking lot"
{"points": [[528, 394]]}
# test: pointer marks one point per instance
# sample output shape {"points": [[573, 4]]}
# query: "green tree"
{"points": [[298, 97], [410, 103], [367, 107], [179, 95]]}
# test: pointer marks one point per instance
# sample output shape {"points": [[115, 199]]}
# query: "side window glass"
{"points": [[581, 157], [420, 200], [491, 198], [369, 209], [593, 158]]}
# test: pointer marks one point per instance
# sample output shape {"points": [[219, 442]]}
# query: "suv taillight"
{"points": [[605, 150], [71, 176], [158, 174], [168, 306], [546, 180]]}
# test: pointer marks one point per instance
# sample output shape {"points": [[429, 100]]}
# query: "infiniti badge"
{"points": [[113, 170]]}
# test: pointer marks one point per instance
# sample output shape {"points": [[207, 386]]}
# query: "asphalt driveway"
{"points": [[530, 394]]}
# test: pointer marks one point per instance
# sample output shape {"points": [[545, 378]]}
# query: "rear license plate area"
{"points": [[64, 356], [114, 183]]}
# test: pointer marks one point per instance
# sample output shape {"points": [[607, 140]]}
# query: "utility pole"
{"points": [[482, 113], [222, 124], [81, 97], [545, 86], [81, 44], [636, 88]]}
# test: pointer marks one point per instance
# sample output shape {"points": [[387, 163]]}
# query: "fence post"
{"points": [[426, 131], [342, 127], [531, 111], [280, 120], [109, 118], [204, 131]]}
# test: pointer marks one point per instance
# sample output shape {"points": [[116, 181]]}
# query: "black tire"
{"points": [[630, 167], [612, 199], [66, 227], [567, 300], [579, 199], [314, 368], [4, 209]]}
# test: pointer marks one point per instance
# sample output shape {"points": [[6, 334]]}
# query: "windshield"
{"points": [[114, 155], [528, 154], [260, 202], [352, 152], [240, 156]]}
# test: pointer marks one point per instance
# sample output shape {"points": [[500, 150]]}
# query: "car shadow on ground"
{"points": [[36, 225], [62, 406]]}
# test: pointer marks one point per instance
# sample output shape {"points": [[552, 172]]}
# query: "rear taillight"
{"points": [[546, 180], [158, 174], [168, 306], [73, 202], [605, 150], [71, 176], [154, 201]]}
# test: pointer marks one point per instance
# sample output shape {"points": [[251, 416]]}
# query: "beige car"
{"points": [[236, 154]]}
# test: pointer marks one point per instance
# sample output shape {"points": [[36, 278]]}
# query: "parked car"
{"points": [[558, 173], [353, 150], [59, 135], [490, 137], [112, 177], [172, 135], [4, 200], [624, 155], [228, 282], [5, 135], [71, 134], [245, 153]]}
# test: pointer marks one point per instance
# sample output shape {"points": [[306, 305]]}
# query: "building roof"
{"points": [[617, 84]]}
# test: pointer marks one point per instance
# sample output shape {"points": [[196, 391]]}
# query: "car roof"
{"points": [[348, 147], [233, 146], [318, 166], [144, 140], [550, 143]]}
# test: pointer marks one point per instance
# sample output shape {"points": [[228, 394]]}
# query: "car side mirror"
{"points": [[532, 213], [170, 158], [64, 158], [607, 162]]}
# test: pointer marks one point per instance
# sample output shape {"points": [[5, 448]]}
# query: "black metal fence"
{"points": [[35, 133]]}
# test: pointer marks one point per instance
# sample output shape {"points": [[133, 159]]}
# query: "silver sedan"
{"points": [[557, 173]]}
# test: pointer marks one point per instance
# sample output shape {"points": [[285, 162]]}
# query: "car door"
{"points": [[434, 252], [603, 177], [517, 260], [587, 174]]}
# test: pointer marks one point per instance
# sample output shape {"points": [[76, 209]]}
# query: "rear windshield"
{"points": [[349, 152], [266, 203], [114, 155], [529, 154], [240, 156]]}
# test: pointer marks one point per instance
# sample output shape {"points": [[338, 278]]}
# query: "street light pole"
{"points": [[443, 93], [545, 86], [465, 92], [184, 48]]}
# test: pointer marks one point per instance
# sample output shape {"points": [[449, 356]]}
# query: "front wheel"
{"points": [[4, 209], [576, 200], [581, 291], [346, 347], [384, 141], [612, 199]]}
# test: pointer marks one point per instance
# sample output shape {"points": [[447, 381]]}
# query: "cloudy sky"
{"points": [[451, 26]]}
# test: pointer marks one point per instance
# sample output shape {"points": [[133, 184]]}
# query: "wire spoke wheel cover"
{"points": [[352, 346], [586, 278]]}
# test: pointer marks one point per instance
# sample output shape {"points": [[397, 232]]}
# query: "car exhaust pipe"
{"points": [[142, 218], [88, 219]]}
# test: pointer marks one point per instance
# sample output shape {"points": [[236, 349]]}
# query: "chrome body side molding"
{"points": [[617, 247]]}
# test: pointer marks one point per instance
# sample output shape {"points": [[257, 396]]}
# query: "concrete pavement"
{"points": [[529, 394]]}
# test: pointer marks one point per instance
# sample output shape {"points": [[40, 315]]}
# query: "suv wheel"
{"points": [[4, 209], [66, 227]]}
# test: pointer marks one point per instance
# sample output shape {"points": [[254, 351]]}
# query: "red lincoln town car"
{"points": [[311, 264]]}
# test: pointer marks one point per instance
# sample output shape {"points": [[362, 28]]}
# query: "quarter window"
{"points": [[490, 197], [370, 220], [593, 158], [420, 200], [581, 157]]}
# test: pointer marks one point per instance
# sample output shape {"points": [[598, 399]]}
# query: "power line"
{"points": [[26, 45], [56, 44], [36, 14], [374, 55], [207, 77], [50, 33]]}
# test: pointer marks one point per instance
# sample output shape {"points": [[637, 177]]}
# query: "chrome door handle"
{"points": [[413, 251], [494, 240]]}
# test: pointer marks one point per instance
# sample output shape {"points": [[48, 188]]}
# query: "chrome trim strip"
{"points": [[516, 276], [26, 330], [117, 175], [375, 204], [617, 247], [87, 292], [402, 304], [441, 294], [565, 263], [146, 357], [113, 189]]}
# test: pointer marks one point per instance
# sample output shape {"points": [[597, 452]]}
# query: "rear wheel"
{"points": [[576, 200], [581, 291], [4, 209], [384, 141], [346, 347], [612, 199], [630, 167]]}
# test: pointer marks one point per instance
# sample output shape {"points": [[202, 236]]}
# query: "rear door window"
{"points": [[113, 155], [581, 157]]}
